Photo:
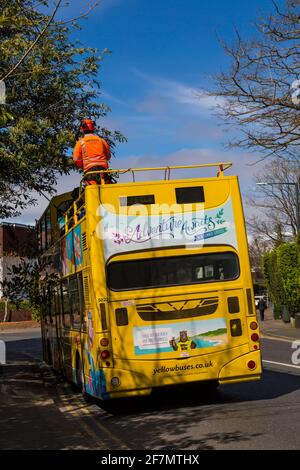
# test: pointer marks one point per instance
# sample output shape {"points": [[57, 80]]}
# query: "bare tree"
{"points": [[276, 201], [259, 245], [260, 92]]}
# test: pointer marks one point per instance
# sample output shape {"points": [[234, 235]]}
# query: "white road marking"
{"points": [[284, 339], [280, 364]]}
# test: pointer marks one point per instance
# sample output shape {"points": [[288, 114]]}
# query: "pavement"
{"points": [[19, 325], [277, 328]]}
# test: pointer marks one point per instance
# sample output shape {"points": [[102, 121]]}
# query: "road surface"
{"points": [[39, 410]]}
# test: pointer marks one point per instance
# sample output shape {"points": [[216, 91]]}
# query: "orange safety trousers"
{"points": [[98, 178]]}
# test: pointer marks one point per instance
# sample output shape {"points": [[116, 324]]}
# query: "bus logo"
{"points": [[179, 309]]}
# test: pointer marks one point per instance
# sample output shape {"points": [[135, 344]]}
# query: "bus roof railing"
{"points": [[222, 166], [75, 211]]}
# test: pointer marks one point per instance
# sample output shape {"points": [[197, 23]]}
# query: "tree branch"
{"points": [[40, 35]]}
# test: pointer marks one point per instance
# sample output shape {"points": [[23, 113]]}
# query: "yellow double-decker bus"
{"points": [[152, 285]]}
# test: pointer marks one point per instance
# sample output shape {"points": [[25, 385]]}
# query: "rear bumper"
{"points": [[136, 382], [237, 370]]}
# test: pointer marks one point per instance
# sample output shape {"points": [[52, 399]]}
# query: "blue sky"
{"points": [[164, 53]]}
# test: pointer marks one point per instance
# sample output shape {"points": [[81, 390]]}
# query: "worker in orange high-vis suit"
{"points": [[91, 153]]}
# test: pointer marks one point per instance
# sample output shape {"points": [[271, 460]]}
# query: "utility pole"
{"points": [[6, 310]]}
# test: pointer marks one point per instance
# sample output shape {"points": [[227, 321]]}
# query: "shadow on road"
{"points": [[189, 416], [272, 385], [25, 348]]}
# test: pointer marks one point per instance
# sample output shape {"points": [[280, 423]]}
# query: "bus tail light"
{"points": [[253, 325], [251, 365], [254, 337], [104, 342], [104, 354]]}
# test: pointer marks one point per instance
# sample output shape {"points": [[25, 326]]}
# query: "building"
{"points": [[16, 241]]}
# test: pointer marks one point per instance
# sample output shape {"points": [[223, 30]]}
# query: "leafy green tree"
{"points": [[289, 270], [282, 273], [23, 284], [51, 83], [272, 277]]}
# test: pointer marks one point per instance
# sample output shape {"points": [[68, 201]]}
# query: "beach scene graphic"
{"points": [[183, 337]]}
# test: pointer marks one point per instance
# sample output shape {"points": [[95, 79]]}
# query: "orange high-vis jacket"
{"points": [[90, 151]]}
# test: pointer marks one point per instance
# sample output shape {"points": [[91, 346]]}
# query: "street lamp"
{"points": [[297, 191]]}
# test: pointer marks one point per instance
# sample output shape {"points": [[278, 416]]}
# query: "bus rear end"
{"points": [[179, 290]]}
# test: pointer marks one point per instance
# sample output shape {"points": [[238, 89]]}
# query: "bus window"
{"points": [[66, 304], [81, 295], [60, 301], [205, 272], [172, 271], [61, 209], [57, 300], [49, 306], [75, 302]]}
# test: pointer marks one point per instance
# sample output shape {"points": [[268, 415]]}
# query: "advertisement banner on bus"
{"points": [[182, 337], [123, 233]]}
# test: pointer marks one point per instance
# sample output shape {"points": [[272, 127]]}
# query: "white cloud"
{"points": [[167, 112], [194, 156], [195, 99]]}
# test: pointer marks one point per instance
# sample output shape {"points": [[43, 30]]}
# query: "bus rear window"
{"points": [[172, 271]]}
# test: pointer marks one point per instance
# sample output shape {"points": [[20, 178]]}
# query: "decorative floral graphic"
{"points": [[118, 238], [219, 219]]}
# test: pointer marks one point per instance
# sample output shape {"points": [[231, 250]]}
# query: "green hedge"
{"points": [[281, 268]]}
